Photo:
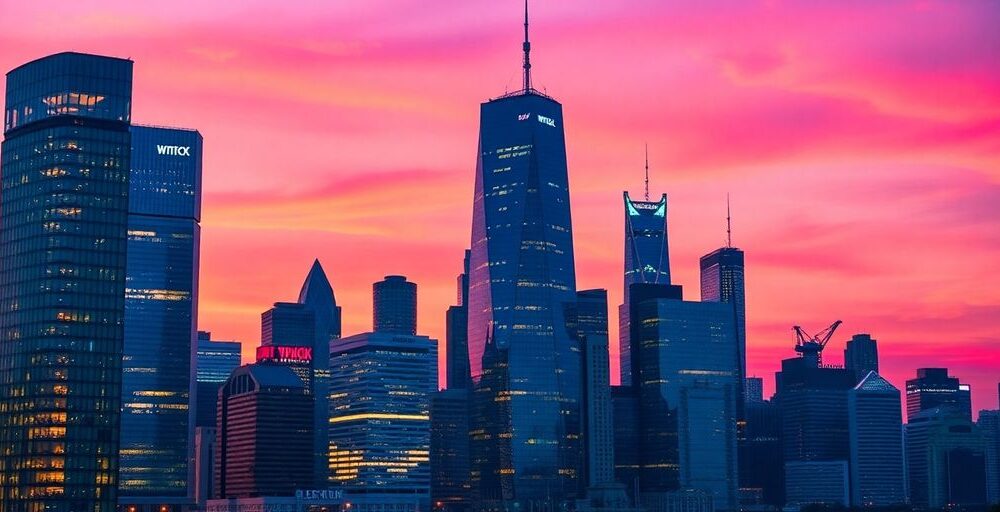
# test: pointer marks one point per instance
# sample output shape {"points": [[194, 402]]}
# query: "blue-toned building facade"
{"points": [[63, 227], [161, 305], [647, 260], [215, 360], [522, 280]]}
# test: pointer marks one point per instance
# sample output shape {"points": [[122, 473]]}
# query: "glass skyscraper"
{"points": [[215, 361], [647, 260], [876, 427], [522, 280], [932, 388], [395, 305], [63, 228], [161, 304], [722, 280]]}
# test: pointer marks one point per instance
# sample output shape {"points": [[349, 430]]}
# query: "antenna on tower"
{"points": [[527, 50], [647, 172], [729, 224]]}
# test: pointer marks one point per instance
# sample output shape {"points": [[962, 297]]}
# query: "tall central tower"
{"points": [[526, 437]]}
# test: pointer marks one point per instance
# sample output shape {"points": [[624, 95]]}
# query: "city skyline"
{"points": [[357, 191]]}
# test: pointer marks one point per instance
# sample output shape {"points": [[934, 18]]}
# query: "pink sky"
{"points": [[860, 143]]}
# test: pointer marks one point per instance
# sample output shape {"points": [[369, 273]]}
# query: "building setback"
{"points": [[161, 305], [933, 388], [63, 228], [876, 428]]}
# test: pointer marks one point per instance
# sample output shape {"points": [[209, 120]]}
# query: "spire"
{"points": [[729, 224], [527, 50], [647, 172]]}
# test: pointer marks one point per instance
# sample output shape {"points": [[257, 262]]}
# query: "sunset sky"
{"points": [[859, 141]]}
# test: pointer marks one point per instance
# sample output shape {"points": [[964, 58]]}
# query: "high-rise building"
{"points": [[395, 305], [161, 306], [522, 278], [934, 388], [215, 360], [591, 319], [813, 404], [989, 425], [945, 459], [450, 461], [627, 436], [684, 358], [647, 260], [264, 438], [457, 335], [876, 436], [380, 396], [722, 280], [63, 235], [202, 480], [861, 355], [317, 296], [761, 464], [817, 482], [753, 389]]}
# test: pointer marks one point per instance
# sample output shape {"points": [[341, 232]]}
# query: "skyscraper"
{"points": [[761, 464], [753, 389], [264, 434], [161, 305], [395, 305], [989, 425], [450, 461], [946, 459], [457, 334], [722, 281], [522, 279], [861, 355], [63, 234], [317, 296], [876, 427], [934, 388], [215, 360], [647, 260]]}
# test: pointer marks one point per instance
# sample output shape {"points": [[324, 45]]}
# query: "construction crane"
{"points": [[811, 347]]}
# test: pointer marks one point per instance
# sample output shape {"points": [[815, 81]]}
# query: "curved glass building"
{"points": [[63, 225]]}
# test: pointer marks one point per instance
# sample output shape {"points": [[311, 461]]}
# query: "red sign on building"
{"points": [[284, 354]]}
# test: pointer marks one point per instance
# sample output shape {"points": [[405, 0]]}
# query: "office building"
{"points": [[684, 355], [264, 438], [63, 235], [875, 424], [933, 388], [317, 297], [647, 260], [204, 465], [815, 482], [161, 305], [722, 280], [945, 459], [753, 389], [380, 396], [522, 277], [457, 335], [989, 425], [761, 464], [627, 437], [215, 360], [450, 461], [395, 305], [861, 356]]}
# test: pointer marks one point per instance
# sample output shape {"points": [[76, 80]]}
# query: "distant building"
{"points": [[817, 483], [876, 428], [395, 305], [933, 388], [215, 360], [450, 460], [861, 355], [753, 389], [761, 464], [946, 460], [625, 411], [457, 335], [381, 384], [722, 280], [264, 438], [161, 306], [203, 479], [989, 425]]}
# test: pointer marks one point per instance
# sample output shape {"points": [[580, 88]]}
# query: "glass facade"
{"points": [[161, 304], [932, 388], [876, 428], [215, 361], [722, 281], [861, 355], [380, 396], [395, 305], [63, 228], [527, 438], [647, 260]]}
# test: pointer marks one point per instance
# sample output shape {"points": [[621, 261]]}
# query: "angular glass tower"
{"points": [[161, 304], [63, 224], [647, 260], [522, 279]]}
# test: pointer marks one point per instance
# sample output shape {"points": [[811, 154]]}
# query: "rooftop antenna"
{"points": [[729, 224], [647, 172], [527, 50]]}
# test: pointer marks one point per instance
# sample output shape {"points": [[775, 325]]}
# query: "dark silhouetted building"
{"points": [[457, 335], [264, 438], [761, 464], [861, 356], [817, 482], [450, 461], [946, 460], [161, 305], [527, 450], [933, 388], [215, 360], [753, 389], [395, 305], [875, 422], [63, 236], [989, 425], [647, 261], [381, 385]]}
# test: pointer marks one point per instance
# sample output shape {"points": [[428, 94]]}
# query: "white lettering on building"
{"points": [[546, 120], [173, 150]]}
